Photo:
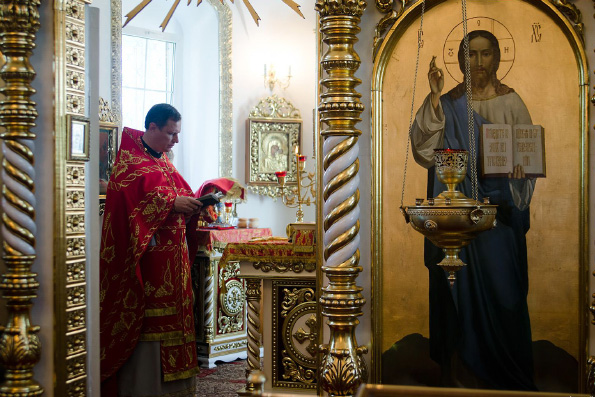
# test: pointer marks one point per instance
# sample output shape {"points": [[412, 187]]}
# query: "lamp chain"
{"points": [[420, 34], [470, 122]]}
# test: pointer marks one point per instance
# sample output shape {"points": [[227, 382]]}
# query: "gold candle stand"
{"points": [[293, 197]]}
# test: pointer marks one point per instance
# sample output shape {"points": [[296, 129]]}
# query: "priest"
{"points": [[147, 331]]}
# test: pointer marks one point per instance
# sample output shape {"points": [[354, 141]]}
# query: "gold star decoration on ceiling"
{"points": [[292, 4]]}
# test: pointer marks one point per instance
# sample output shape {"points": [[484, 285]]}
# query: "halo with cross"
{"points": [[451, 46]]}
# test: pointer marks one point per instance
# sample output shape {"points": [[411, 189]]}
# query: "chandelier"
{"points": [[140, 6]]}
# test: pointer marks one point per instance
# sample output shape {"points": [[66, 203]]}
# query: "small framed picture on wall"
{"points": [[78, 138]]}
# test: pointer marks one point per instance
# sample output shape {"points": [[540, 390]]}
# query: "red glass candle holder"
{"points": [[281, 177]]}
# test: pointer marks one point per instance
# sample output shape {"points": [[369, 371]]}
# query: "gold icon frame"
{"points": [[568, 146]]}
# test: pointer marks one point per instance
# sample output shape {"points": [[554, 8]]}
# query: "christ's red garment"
{"points": [[146, 289]]}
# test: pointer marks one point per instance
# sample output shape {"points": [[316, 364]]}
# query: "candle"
{"points": [[297, 150], [265, 69], [228, 204], [302, 158]]}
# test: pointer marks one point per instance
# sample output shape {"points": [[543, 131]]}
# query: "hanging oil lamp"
{"points": [[451, 220]]}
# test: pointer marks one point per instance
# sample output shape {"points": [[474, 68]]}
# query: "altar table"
{"points": [[287, 322], [219, 307]]}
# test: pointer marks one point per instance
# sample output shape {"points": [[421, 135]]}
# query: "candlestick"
{"points": [[294, 197]]}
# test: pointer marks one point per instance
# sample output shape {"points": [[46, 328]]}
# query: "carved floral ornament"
{"points": [[20, 17], [340, 7], [275, 107]]}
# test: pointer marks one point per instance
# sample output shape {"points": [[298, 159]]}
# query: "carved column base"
{"points": [[342, 367]]}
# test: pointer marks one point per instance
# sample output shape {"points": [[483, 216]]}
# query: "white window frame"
{"points": [[176, 91]]}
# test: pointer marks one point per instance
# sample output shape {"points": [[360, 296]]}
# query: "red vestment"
{"points": [[146, 290]]}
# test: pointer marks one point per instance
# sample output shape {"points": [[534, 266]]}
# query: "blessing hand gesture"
{"points": [[436, 79]]}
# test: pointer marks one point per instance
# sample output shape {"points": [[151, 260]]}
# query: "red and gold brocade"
{"points": [[267, 250], [145, 290], [209, 238]]}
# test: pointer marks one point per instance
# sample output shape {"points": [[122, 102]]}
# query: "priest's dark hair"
{"points": [[160, 114]]}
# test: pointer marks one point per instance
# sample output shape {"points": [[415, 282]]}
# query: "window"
{"points": [[147, 77]]}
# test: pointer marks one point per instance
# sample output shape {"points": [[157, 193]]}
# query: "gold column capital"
{"points": [[340, 7], [19, 16]]}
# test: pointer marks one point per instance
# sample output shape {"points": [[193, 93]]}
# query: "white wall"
{"points": [[283, 38]]}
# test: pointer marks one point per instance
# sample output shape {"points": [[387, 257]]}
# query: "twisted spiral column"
{"points": [[253, 294], [20, 348], [342, 368], [209, 303]]}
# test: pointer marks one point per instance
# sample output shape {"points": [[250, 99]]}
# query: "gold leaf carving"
{"points": [[75, 246], [75, 223], [75, 199], [75, 104], [75, 271], [75, 32], [75, 9], [75, 57], [75, 296], [76, 366], [75, 80], [76, 319], [76, 343], [77, 387], [75, 175]]}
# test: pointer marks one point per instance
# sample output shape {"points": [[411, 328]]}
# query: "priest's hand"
{"points": [[187, 205], [518, 172]]}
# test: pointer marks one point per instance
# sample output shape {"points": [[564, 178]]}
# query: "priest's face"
{"points": [[481, 56], [164, 139]]}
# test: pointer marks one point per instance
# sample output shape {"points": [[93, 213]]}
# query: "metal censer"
{"points": [[451, 219]]}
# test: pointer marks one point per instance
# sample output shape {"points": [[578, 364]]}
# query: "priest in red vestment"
{"points": [[147, 331]]}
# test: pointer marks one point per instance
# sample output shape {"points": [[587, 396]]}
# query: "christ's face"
{"points": [[481, 56]]}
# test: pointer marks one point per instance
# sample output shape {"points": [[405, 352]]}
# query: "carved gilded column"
{"points": [[20, 348], [253, 294], [209, 306], [342, 367]]}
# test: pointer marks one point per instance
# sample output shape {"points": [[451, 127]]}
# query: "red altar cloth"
{"points": [[274, 254], [214, 238]]}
